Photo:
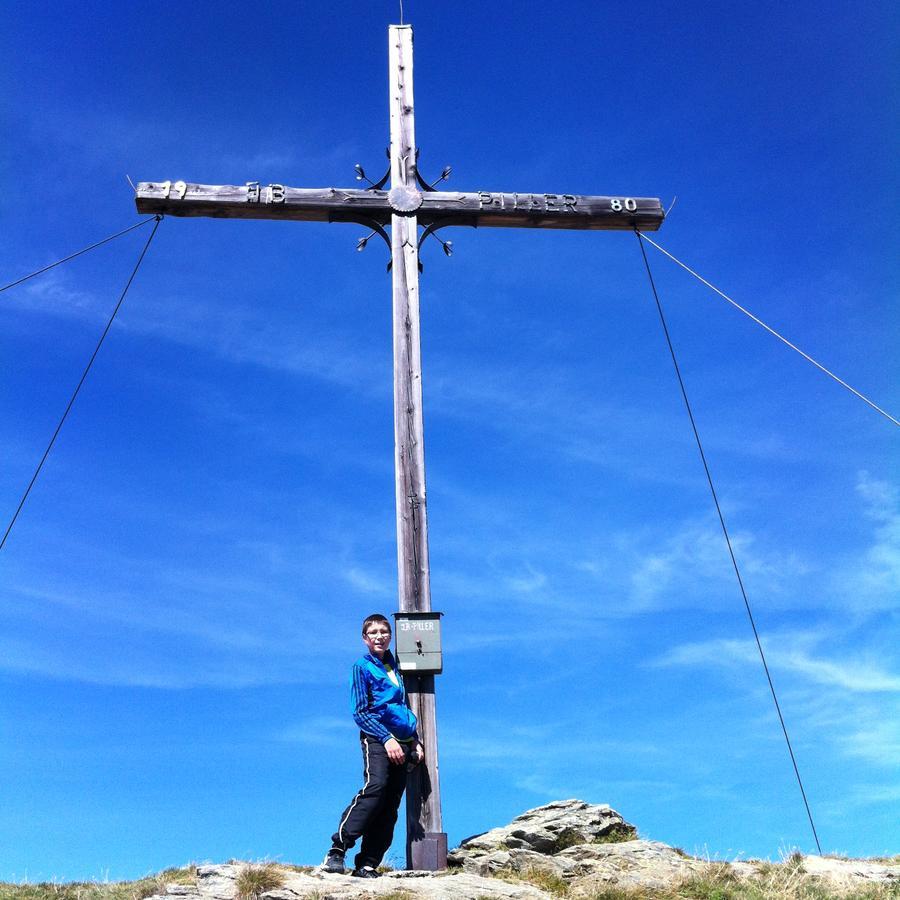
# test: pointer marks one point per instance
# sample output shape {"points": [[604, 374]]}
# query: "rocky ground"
{"points": [[564, 849]]}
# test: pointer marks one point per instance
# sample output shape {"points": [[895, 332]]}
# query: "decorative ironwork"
{"points": [[444, 223], [373, 185]]}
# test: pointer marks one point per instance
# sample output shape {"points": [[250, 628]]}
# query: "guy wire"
{"points": [[784, 340], [734, 563], [84, 374], [78, 253]]}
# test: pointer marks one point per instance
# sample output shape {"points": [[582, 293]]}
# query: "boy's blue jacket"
{"points": [[378, 705]]}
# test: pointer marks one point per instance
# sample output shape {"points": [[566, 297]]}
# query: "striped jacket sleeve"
{"points": [[359, 705]]}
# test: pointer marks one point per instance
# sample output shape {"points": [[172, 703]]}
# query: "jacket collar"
{"points": [[388, 657]]}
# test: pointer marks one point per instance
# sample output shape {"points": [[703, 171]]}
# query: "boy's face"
{"points": [[377, 638]]}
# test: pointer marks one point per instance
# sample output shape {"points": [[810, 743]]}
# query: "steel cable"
{"points": [[734, 563], [772, 331], [59, 262], [84, 375]]}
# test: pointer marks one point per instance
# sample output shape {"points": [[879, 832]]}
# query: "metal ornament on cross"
{"points": [[410, 202]]}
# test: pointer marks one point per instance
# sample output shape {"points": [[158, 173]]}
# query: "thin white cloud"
{"points": [[479, 641], [237, 334], [554, 786], [54, 294], [173, 627], [529, 581], [317, 731], [478, 742], [543, 406], [520, 749], [875, 737], [694, 558], [367, 582], [240, 335], [851, 702], [873, 795], [871, 582], [137, 664], [855, 676]]}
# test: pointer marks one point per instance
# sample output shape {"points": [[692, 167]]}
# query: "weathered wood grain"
{"points": [[486, 209], [423, 799]]}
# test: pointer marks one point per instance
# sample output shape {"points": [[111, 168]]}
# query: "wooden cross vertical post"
{"points": [[426, 845]]}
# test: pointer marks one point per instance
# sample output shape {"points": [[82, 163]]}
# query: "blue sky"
{"points": [[182, 593]]}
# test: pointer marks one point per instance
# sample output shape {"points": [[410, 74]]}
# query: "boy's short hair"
{"points": [[376, 617]]}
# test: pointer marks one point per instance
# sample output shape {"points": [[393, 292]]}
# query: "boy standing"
{"points": [[389, 741]]}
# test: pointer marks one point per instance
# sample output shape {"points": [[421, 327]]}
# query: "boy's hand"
{"points": [[418, 754], [394, 751]]}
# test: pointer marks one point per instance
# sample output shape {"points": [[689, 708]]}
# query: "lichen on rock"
{"points": [[536, 837]]}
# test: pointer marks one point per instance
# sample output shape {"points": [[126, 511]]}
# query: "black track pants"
{"points": [[372, 813]]}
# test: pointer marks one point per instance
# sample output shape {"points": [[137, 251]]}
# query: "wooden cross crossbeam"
{"points": [[430, 207], [409, 203]]}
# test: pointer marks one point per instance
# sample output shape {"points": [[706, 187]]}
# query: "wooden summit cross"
{"points": [[410, 202]]}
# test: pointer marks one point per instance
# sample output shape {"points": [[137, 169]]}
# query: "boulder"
{"points": [[217, 882], [538, 835], [848, 872], [649, 864]]}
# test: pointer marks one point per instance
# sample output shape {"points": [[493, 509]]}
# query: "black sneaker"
{"points": [[365, 872], [334, 862]]}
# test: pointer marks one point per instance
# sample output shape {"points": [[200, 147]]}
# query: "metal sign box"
{"points": [[418, 641]]}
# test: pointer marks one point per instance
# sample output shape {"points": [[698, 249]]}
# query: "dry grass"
{"points": [[293, 867], [787, 881], [772, 881], [99, 890], [257, 878], [542, 878], [784, 881], [617, 835]]}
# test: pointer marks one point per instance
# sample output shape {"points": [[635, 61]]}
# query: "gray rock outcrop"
{"points": [[567, 847], [846, 872], [220, 883], [579, 842], [636, 863], [538, 838]]}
